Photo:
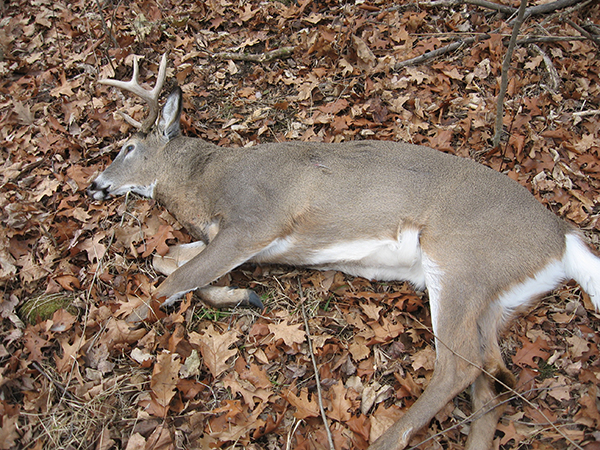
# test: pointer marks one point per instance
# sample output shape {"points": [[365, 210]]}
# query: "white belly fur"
{"points": [[375, 259]]}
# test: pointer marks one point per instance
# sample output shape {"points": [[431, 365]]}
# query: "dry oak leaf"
{"points": [[385, 331], [510, 432], [64, 363], [62, 321], [248, 391], [340, 406], [358, 348], [382, 419], [136, 442], [304, 407], [558, 388], [424, 359], [164, 377], [8, 431], [360, 425], [290, 334], [158, 241], [243, 425], [577, 346], [371, 310], [214, 347], [589, 414], [366, 58], [121, 332], [92, 246], [253, 373], [525, 355]]}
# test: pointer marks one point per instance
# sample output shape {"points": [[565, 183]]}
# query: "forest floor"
{"points": [[74, 374]]}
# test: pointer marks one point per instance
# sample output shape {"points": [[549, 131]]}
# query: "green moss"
{"points": [[44, 306]]}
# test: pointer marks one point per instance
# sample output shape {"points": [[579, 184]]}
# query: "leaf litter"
{"points": [[75, 374]]}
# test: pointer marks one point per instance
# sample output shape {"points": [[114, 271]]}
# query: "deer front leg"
{"points": [[226, 251], [176, 257]]}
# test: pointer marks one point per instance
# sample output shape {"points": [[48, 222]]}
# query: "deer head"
{"points": [[144, 157]]}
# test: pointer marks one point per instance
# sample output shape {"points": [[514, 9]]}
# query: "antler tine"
{"points": [[149, 96]]}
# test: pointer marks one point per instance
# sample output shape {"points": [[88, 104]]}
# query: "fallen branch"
{"points": [[548, 7], [283, 52], [440, 51], [315, 368], [531, 11], [535, 39], [590, 112], [505, 66], [491, 5], [107, 30], [584, 32]]}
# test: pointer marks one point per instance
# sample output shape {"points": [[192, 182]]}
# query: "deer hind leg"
{"points": [[490, 389], [458, 364], [487, 397]]}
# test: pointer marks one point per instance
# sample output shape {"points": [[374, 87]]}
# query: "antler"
{"points": [[149, 96]]}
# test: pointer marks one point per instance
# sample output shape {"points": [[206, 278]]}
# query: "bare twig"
{"points": [[584, 32], [531, 11], [591, 112], [533, 39], [548, 7], [283, 52], [104, 26], [505, 66], [540, 9], [315, 368], [63, 390], [491, 5], [440, 51]]}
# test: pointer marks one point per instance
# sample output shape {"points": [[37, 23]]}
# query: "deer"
{"points": [[480, 243]]}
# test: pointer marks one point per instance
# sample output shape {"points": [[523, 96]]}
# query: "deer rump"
{"points": [[479, 242]]}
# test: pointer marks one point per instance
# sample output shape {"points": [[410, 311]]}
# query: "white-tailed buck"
{"points": [[479, 242]]}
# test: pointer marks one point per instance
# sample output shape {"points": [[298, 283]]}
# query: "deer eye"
{"points": [[129, 149]]}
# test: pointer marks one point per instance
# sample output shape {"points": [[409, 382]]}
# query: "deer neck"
{"points": [[179, 189]]}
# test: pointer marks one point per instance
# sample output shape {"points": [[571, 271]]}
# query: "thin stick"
{"points": [[316, 370], [540, 9], [107, 31], [491, 5], [283, 52], [548, 7], [440, 51], [534, 39], [584, 32], [505, 66]]}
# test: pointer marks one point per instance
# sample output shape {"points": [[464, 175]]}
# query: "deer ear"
{"points": [[168, 125]]}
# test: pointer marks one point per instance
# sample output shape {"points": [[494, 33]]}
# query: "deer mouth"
{"points": [[98, 193]]}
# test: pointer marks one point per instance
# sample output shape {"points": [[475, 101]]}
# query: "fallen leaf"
{"points": [[290, 334], [164, 377], [214, 347], [530, 350], [305, 407]]}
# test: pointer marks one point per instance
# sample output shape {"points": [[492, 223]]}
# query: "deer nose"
{"points": [[93, 190]]}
